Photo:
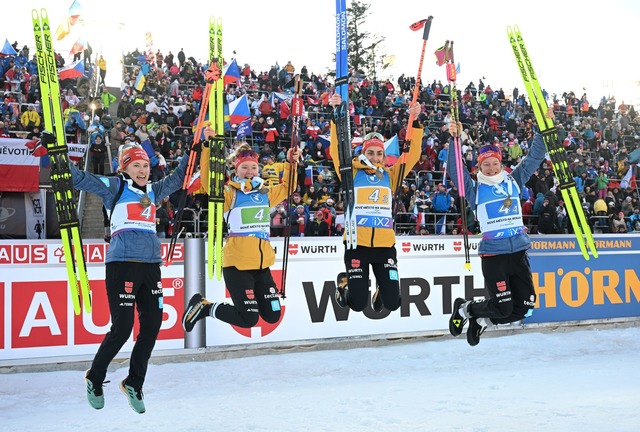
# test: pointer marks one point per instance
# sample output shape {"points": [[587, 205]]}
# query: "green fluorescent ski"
{"points": [[60, 169], [555, 149], [216, 156]]}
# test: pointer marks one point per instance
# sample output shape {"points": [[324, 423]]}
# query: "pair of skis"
{"points": [[555, 149], [341, 119], [61, 182], [217, 161]]}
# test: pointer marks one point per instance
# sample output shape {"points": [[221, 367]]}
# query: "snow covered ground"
{"points": [[579, 381]]}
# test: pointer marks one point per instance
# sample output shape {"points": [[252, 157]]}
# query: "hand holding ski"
{"points": [[555, 149]]}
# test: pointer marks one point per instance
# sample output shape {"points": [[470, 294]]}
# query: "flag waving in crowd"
{"points": [[69, 20]]}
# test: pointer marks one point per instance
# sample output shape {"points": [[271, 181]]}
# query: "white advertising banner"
{"points": [[38, 321], [431, 275]]}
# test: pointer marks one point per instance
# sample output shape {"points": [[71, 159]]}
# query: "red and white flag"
{"points": [[629, 180], [195, 183], [19, 166]]}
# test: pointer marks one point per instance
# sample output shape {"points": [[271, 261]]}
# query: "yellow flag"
{"points": [[63, 29]]}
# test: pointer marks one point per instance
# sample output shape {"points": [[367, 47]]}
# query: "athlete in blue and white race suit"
{"points": [[495, 198], [133, 264]]}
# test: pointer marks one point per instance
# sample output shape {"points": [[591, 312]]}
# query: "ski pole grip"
{"points": [[427, 28]]}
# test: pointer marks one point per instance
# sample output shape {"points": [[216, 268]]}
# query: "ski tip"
{"points": [[43, 14], [516, 28], [34, 14]]}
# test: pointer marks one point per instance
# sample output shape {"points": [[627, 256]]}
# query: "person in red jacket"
{"points": [[265, 108], [271, 134]]}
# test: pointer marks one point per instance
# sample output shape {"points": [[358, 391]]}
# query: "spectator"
{"points": [[319, 155], [634, 218], [30, 118], [271, 134], [298, 220], [98, 151], [164, 218], [442, 201], [547, 218], [627, 206], [618, 224], [278, 214], [102, 66], [317, 226], [272, 171], [96, 129]]}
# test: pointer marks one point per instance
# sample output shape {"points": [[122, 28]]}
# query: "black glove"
{"points": [[47, 138], [196, 148]]}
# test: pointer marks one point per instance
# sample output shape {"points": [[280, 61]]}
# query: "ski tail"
{"points": [[555, 149]]}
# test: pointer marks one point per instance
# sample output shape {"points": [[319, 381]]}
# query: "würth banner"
{"points": [[20, 165]]}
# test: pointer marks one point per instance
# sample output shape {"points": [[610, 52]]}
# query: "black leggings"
{"points": [[385, 267], [254, 295], [130, 283], [510, 291]]}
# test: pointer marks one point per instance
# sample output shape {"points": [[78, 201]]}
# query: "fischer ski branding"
{"points": [[61, 183]]}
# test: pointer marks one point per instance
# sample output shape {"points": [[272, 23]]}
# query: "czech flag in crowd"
{"points": [[231, 73], [74, 70], [239, 110]]}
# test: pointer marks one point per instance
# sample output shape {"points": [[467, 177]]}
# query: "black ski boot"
{"points": [[457, 321], [475, 330], [197, 309]]}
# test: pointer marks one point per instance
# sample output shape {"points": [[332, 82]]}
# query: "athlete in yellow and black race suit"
{"points": [[374, 219], [247, 253]]}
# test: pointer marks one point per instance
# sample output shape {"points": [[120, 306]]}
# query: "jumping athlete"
{"points": [[247, 253], [132, 265], [373, 209], [503, 248]]}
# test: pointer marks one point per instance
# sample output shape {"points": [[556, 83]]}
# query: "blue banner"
{"points": [[571, 288]]}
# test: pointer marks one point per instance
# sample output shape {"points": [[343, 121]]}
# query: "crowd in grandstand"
{"points": [[599, 137]]}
